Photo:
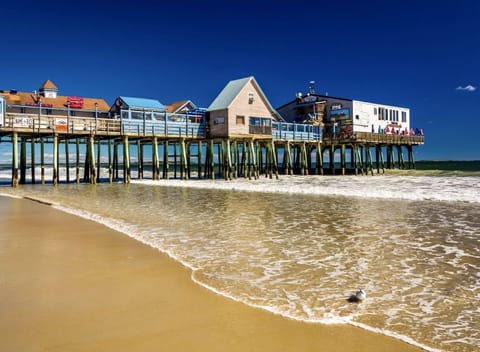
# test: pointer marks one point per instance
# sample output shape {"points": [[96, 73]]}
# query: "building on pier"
{"points": [[241, 109], [239, 135], [131, 108], [46, 101], [343, 117]]}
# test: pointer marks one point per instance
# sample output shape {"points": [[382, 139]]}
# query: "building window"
{"points": [[250, 97], [240, 120], [357, 117], [219, 120], [404, 116], [375, 111]]}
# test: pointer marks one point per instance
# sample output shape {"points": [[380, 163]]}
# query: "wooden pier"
{"points": [[114, 150]]}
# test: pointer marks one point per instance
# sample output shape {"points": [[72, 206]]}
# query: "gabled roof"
{"points": [[142, 103], [178, 106], [231, 91], [48, 85]]}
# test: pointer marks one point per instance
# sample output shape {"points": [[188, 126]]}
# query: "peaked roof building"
{"points": [[47, 97], [240, 109], [232, 90]]}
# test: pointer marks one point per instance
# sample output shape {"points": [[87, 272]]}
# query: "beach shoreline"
{"points": [[68, 283]]}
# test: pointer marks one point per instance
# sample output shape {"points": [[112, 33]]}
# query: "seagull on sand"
{"points": [[360, 295]]}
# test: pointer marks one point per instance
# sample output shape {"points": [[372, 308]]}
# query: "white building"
{"points": [[346, 116]]}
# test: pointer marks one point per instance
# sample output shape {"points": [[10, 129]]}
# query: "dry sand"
{"points": [[69, 284]]}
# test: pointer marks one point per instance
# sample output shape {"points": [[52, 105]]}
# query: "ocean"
{"points": [[300, 246]]}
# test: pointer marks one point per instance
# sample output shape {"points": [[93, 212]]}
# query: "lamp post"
{"points": [[68, 116], [39, 112], [96, 115]]}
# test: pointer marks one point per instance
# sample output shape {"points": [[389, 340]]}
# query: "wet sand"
{"points": [[69, 284]]}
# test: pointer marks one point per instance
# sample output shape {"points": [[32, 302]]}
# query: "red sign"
{"points": [[38, 104], [75, 102]]}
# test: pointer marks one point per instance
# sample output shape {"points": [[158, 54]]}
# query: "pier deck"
{"points": [[180, 146]]}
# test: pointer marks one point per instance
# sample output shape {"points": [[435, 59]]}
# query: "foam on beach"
{"points": [[414, 188]]}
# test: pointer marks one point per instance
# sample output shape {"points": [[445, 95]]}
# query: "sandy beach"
{"points": [[69, 284]]}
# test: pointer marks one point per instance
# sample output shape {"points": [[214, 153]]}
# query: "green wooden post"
{"points": [[115, 160], [126, 160], [370, 160], [342, 159], [274, 160], [332, 159], [252, 163], [228, 152], [23, 160], [155, 159], [67, 160], [382, 162], [139, 158], [236, 155], [32, 158], [401, 160], [257, 160], [290, 160], [42, 161], [110, 168], [77, 160], [174, 160], [212, 160], [319, 161], [93, 167], [184, 160], [359, 160], [55, 159], [248, 173], [413, 157], [200, 157], [15, 159], [99, 160], [243, 167]]}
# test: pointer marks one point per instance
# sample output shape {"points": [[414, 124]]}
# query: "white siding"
{"points": [[366, 115]]}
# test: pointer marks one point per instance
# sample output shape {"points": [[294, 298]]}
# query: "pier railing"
{"points": [[164, 128], [374, 138], [296, 132], [177, 125], [44, 124]]}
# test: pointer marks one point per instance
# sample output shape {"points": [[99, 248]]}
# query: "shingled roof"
{"points": [[12, 97], [48, 85]]}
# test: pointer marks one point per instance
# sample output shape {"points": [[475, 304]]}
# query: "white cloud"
{"points": [[468, 88]]}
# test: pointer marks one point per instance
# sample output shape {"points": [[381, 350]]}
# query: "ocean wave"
{"points": [[414, 188]]}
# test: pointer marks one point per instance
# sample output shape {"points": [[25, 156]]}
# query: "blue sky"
{"points": [[424, 55]]}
